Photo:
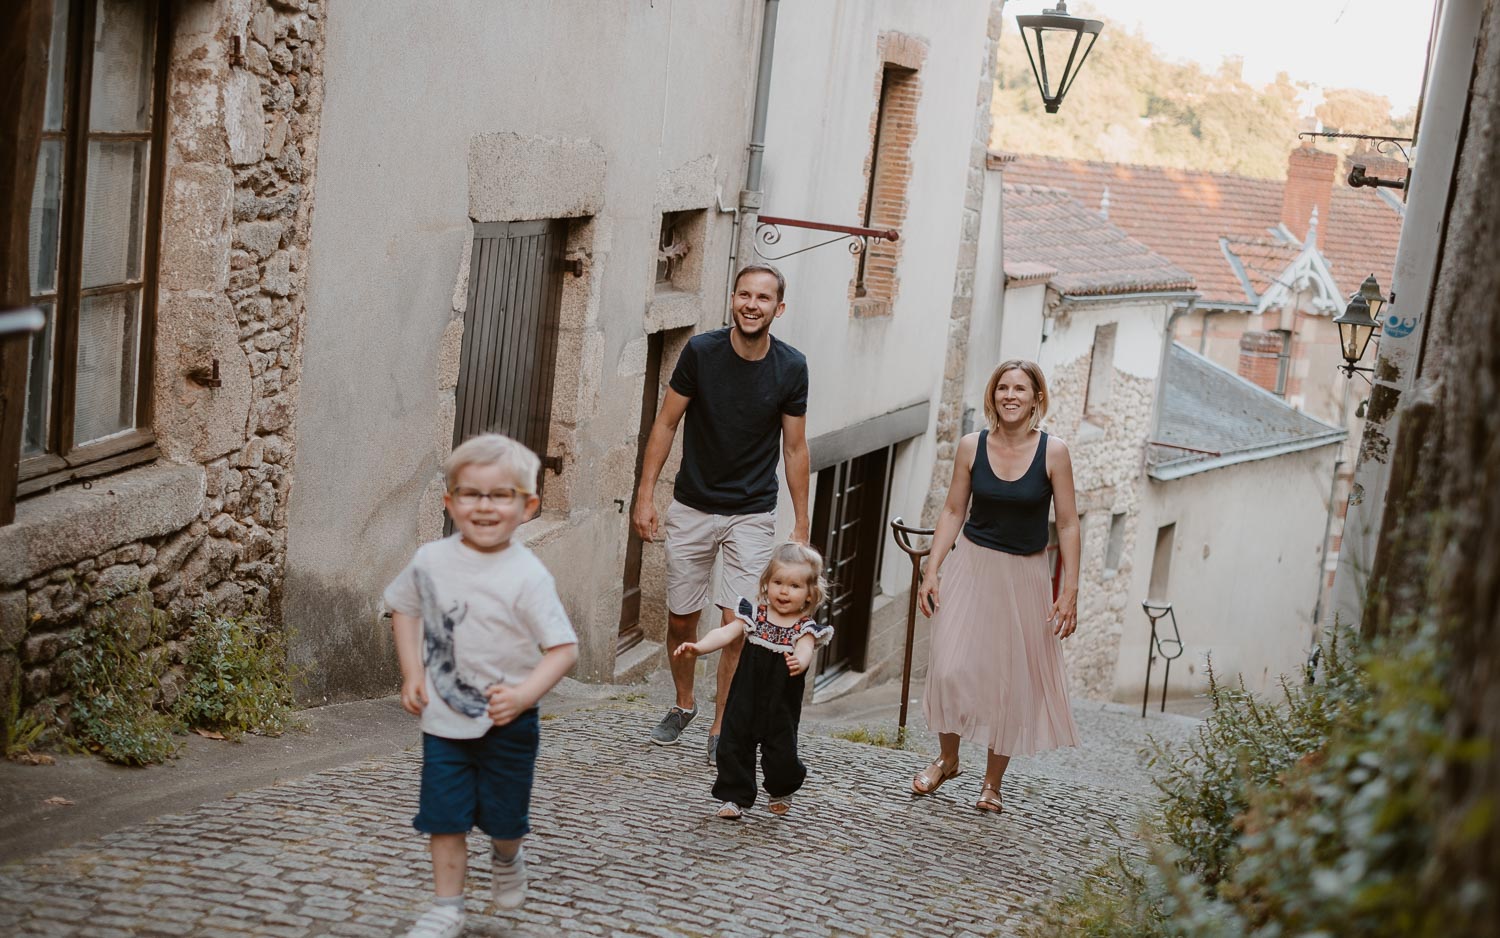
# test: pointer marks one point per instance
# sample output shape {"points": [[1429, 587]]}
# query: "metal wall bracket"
{"points": [[768, 231]]}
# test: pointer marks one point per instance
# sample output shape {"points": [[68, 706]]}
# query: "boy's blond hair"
{"points": [[794, 554], [494, 449]]}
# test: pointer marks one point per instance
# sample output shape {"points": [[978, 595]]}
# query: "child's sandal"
{"points": [[729, 811], [989, 800]]}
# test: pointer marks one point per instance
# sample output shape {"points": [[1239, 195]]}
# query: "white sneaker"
{"points": [[508, 881], [729, 811], [440, 921]]}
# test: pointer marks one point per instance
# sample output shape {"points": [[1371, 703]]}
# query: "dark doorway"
{"points": [[630, 603], [848, 526]]}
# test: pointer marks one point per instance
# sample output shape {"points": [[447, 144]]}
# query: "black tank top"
{"points": [[1009, 516]]}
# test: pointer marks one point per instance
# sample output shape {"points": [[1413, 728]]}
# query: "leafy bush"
{"points": [[116, 679], [235, 682], [1311, 817], [236, 677]]}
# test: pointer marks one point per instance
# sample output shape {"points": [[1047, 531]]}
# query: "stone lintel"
{"points": [[689, 186], [76, 523], [516, 177], [673, 309]]}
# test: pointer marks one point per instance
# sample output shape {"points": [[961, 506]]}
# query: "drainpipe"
{"points": [[1161, 367], [751, 195], [1203, 332]]}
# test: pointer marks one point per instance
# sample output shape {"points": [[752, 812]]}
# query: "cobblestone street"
{"points": [[624, 843]]}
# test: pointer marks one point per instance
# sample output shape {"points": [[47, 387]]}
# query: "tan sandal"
{"points": [[989, 800], [928, 781]]}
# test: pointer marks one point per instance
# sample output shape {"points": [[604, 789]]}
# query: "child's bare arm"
{"points": [[713, 641], [507, 703], [407, 631], [800, 658]]}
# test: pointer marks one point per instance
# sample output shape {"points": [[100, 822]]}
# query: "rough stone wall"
{"points": [[951, 401], [1107, 457], [243, 104]]}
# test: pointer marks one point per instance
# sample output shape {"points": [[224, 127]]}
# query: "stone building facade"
{"points": [[337, 349], [202, 524]]}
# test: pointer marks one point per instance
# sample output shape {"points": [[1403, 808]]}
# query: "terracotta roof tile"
{"points": [[1182, 214], [1091, 256]]}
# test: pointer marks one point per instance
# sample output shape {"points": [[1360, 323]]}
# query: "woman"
{"points": [[995, 673]]}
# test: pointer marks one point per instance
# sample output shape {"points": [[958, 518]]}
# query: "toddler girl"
{"points": [[765, 698]]}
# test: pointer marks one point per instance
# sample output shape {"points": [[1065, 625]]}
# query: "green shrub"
{"points": [[236, 677], [1312, 817], [116, 678]]}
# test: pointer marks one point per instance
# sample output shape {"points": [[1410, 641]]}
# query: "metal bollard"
{"points": [[903, 535], [1155, 612]]}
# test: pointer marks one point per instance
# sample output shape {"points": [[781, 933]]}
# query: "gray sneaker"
{"points": [[672, 725], [713, 749]]}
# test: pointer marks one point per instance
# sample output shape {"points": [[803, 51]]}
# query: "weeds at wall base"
{"points": [[234, 680]]}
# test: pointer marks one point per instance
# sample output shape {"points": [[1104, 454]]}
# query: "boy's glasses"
{"points": [[471, 497]]}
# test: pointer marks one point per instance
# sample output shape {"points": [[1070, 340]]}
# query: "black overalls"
{"points": [[764, 709]]}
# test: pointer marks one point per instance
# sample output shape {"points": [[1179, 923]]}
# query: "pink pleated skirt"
{"points": [[995, 673]]}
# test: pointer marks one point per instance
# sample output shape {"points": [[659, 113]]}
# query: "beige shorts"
{"points": [[695, 538]]}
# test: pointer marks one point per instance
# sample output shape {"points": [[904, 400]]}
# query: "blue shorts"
{"points": [[483, 783]]}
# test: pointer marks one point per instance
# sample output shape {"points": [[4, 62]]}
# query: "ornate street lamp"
{"points": [[1355, 330], [1056, 36]]}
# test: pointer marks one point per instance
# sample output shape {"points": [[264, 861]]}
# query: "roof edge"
{"points": [[1180, 468]]}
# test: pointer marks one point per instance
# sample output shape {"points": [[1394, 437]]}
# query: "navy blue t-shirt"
{"points": [[732, 428]]}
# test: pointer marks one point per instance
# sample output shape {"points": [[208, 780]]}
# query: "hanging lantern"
{"points": [[1052, 39], [1356, 327]]}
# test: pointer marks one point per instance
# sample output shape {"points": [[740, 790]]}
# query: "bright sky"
{"points": [[1373, 45]]}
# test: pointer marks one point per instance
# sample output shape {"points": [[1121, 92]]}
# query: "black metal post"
{"points": [[903, 534], [1155, 612]]}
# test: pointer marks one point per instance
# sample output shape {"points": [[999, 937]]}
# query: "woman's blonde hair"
{"points": [[790, 553], [1033, 372]]}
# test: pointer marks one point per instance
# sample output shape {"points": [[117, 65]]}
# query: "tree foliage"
{"points": [[1132, 105]]}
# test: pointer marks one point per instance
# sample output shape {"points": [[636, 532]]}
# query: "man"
{"points": [[741, 390]]}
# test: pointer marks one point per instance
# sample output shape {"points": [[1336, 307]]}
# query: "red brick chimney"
{"points": [[1260, 358], [1310, 177]]}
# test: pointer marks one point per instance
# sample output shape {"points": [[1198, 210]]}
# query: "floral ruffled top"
{"points": [[760, 630]]}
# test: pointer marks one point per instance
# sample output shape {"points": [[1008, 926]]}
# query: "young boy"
{"points": [[481, 636]]}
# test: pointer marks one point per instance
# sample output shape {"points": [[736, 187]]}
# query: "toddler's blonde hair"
{"points": [[790, 553], [494, 449]]}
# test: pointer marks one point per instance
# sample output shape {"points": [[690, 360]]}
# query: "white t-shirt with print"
{"points": [[486, 619]]}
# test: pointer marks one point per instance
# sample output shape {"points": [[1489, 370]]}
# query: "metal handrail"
{"points": [[1156, 612], [903, 534]]}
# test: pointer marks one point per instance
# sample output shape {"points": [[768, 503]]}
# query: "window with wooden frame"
{"points": [[95, 219]]}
